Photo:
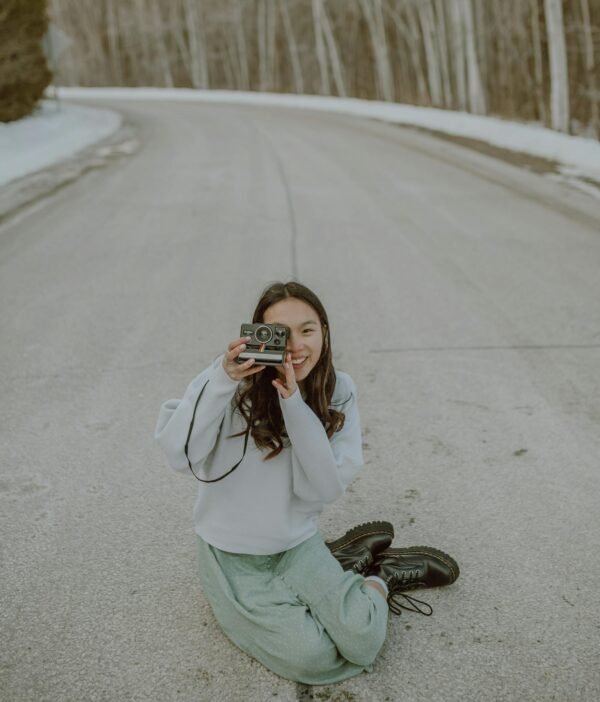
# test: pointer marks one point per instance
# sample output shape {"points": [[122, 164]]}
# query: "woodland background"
{"points": [[534, 60], [529, 60]]}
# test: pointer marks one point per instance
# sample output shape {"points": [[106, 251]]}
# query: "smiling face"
{"points": [[306, 336]]}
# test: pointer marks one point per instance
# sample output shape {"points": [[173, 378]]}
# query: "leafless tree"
{"points": [[336, 66], [442, 42], [559, 98], [591, 78], [197, 43], [428, 32], [374, 16], [292, 46], [538, 74], [475, 89], [505, 57]]}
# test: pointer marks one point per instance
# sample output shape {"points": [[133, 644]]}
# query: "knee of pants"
{"points": [[361, 640], [364, 649], [314, 654]]}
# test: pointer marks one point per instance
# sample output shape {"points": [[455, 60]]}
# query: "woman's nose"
{"points": [[293, 343]]}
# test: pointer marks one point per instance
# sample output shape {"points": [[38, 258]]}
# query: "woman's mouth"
{"points": [[300, 364]]}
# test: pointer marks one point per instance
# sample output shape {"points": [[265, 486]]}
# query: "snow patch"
{"points": [[54, 132]]}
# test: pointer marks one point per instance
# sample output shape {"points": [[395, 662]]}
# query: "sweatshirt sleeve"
{"points": [[322, 468], [175, 417]]}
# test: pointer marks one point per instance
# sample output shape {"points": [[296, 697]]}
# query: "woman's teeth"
{"points": [[298, 363]]}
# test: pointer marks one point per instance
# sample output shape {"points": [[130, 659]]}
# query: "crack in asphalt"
{"points": [[290, 204]]}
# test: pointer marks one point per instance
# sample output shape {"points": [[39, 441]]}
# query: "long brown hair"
{"points": [[257, 393]]}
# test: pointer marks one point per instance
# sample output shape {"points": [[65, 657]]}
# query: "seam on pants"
{"points": [[289, 587], [301, 599]]}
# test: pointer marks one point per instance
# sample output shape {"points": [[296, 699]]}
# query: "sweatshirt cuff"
{"points": [[293, 400], [220, 377]]}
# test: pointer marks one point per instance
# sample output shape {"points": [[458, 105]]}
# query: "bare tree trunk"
{"points": [[443, 53], [458, 54], [336, 65], [373, 14], [317, 8], [426, 20], [235, 60], [67, 71], [271, 29], [198, 61], [230, 47], [88, 23], [481, 40], [412, 36], [228, 67], [406, 36], [537, 60], [498, 22], [386, 66], [559, 76], [62, 69], [94, 19], [236, 46], [261, 38], [159, 38], [523, 80], [292, 46], [476, 96], [266, 24], [147, 76], [130, 47], [589, 63], [112, 31], [358, 68], [182, 52]]}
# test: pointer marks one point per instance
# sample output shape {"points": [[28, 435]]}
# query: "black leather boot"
{"points": [[357, 549], [413, 567]]}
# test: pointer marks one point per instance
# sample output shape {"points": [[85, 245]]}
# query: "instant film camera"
{"points": [[267, 343]]}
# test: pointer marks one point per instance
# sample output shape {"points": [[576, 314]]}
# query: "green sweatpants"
{"points": [[297, 612]]}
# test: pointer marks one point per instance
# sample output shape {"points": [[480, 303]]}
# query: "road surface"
{"points": [[464, 299]]}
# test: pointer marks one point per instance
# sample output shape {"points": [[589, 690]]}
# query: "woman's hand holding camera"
{"points": [[235, 370], [290, 386]]}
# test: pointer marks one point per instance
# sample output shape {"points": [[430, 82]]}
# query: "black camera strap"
{"points": [[190, 433]]}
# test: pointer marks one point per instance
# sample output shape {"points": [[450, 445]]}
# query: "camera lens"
{"points": [[263, 334]]}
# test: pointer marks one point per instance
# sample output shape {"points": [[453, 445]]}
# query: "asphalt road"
{"points": [[464, 299]]}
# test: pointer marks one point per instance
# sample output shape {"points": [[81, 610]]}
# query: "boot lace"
{"points": [[396, 586], [363, 563]]}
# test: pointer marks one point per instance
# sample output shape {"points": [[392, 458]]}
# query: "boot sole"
{"points": [[425, 551], [358, 532]]}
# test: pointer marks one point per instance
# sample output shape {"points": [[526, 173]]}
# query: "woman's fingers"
{"points": [[236, 370], [248, 364], [235, 348], [290, 375], [232, 354], [245, 369], [237, 342]]}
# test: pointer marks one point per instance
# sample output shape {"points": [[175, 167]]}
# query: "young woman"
{"points": [[312, 612]]}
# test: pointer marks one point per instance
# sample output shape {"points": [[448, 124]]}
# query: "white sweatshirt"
{"points": [[263, 507]]}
